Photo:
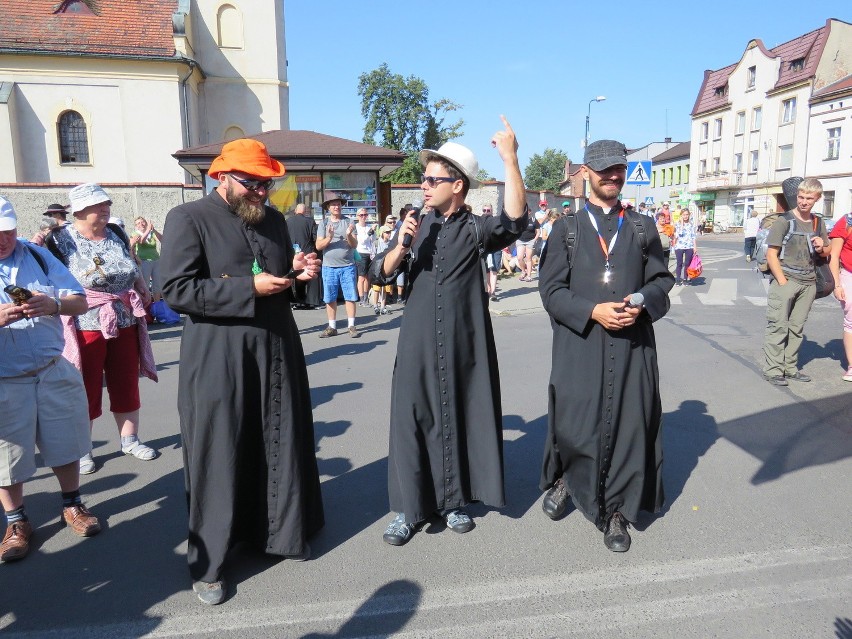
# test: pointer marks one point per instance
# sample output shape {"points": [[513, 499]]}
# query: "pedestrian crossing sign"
{"points": [[639, 172], [649, 201]]}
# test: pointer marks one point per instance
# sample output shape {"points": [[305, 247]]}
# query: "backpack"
{"points": [[760, 243], [571, 234], [50, 241]]}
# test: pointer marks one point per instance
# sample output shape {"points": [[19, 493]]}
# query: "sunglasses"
{"points": [[486, 210], [362, 215], [253, 185], [433, 181]]}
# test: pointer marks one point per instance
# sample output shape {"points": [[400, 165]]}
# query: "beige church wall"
{"points": [[153, 202]]}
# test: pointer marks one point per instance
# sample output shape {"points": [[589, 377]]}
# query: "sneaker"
{"points": [[87, 464], [798, 376], [459, 521], [398, 531], [353, 332], [211, 594], [376, 310], [328, 332], [777, 380], [848, 376], [385, 311]]}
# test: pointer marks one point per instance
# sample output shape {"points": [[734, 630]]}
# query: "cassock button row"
{"points": [[444, 403]]}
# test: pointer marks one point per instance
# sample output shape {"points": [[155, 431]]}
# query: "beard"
{"points": [[245, 209], [604, 190]]}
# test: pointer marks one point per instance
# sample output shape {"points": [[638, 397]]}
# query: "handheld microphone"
{"points": [[636, 301], [417, 206]]}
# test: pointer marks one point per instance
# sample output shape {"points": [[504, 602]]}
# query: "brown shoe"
{"points": [[16, 542], [81, 521], [328, 332]]}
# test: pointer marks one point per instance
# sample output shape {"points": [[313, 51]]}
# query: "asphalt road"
{"points": [[753, 541]]}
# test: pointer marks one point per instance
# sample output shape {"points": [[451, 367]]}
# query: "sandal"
{"points": [[139, 451]]}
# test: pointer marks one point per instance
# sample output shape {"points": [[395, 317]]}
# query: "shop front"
{"points": [[705, 205], [318, 167]]}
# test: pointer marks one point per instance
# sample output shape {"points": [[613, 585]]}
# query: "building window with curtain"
{"points": [[73, 139]]}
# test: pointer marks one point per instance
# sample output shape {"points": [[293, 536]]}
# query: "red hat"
{"points": [[246, 156]]}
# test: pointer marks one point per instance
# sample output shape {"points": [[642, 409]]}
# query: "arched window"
{"points": [[233, 133], [230, 27], [73, 139]]}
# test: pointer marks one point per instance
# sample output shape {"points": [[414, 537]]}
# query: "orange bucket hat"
{"points": [[246, 156]]}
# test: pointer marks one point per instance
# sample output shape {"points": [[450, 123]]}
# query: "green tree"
{"points": [[546, 172], [398, 115]]}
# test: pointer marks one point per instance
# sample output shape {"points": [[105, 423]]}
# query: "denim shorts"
{"points": [[339, 278]]}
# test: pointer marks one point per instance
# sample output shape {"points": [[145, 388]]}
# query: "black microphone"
{"points": [[636, 301], [417, 206]]}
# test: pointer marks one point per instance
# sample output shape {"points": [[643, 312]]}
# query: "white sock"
{"points": [[351, 321], [332, 323]]}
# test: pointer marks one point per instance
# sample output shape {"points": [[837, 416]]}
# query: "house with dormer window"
{"points": [[773, 114]]}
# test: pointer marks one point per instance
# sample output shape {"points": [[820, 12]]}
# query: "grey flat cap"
{"points": [[603, 154]]}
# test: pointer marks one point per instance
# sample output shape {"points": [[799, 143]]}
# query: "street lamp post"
{"points": [[600, 98]]}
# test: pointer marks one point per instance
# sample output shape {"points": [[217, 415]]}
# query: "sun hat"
{"points": [[331, 196], [385, 229], [459, 156], [603, 154], [85, 195], [246, 156], [56, 209], [8, 219]]}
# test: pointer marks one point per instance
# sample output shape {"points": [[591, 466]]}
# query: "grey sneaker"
{"points": [[87, 464], [398, 531], [353, 332], [328, 332], [211, 594], [459, 521]]}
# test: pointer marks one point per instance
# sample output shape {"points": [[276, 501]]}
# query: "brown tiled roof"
{"points": [[123, 28], [677, 151], [835, 87], [808, 46]]}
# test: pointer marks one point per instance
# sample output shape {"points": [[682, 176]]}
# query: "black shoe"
{"points": [[555, 500], [778, 380], [616, 537], [799, 376]]}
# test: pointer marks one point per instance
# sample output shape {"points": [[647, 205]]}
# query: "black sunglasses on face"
{"points": [[433, 181], [253, 185]]}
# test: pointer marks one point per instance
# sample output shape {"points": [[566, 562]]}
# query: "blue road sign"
{"points": [[649, 201], [639, 172]]}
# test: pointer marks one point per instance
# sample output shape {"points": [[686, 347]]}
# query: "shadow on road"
{"points": [[384, 613]]}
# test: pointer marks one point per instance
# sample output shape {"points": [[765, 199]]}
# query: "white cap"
{"points": [[87, 195], [8, 219]]}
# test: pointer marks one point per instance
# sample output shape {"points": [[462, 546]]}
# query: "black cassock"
{"points": [[604, 410], [244, 400], [303, 231], [446, 437]]}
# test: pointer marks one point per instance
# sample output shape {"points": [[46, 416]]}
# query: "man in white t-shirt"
{"points": [[365, 235]]}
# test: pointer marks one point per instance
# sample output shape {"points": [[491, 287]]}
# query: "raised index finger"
{"points": [[506, 124]]}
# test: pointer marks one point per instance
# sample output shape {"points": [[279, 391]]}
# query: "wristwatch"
{"points": [[58, 306]]}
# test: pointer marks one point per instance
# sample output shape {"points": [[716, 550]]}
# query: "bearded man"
{"points": [[244, 399], [604, 444]]}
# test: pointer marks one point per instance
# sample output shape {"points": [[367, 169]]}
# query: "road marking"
{"points": [[722, 292], [757, 301]]}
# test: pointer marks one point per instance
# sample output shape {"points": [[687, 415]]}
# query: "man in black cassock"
{"points": [[303, 233], [446, 438], [604, 444], [244, 400]]}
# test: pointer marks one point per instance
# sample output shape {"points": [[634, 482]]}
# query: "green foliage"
{"points": [[546, 172], [484, 176], [398, 115]]}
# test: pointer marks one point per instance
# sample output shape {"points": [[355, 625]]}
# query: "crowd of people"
{"points": [[236, 268]]}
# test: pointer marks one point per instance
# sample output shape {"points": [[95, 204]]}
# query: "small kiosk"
{"points": [[317, 165]]}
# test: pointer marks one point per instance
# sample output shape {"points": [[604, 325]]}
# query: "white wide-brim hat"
{"points": [[459, 156], [85, 195]]}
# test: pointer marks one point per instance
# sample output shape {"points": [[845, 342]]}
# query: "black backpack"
{"points": [[571, 234], [50, 241]]}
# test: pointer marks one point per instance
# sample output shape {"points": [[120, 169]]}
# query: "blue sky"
{"points": [[537, 62]]}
